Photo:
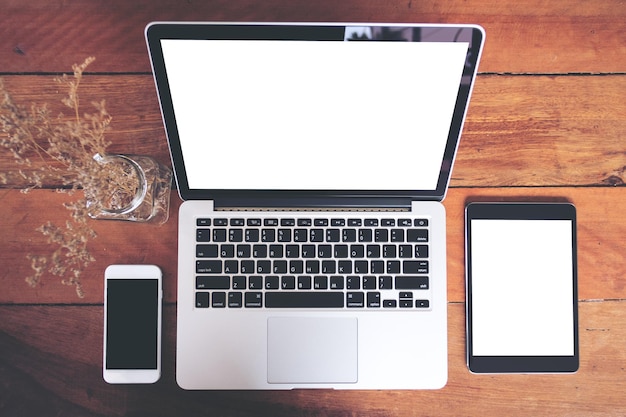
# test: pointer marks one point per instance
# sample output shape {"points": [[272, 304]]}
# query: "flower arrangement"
{"points": [[59, 149]]}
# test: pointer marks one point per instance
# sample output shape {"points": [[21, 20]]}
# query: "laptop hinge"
{"points": [[305, 204]]}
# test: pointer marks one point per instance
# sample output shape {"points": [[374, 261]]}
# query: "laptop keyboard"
{"points": [[313, 262]]}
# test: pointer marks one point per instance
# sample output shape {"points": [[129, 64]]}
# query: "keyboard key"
{"points": [[252, 235], [384, 283], [305, 222], [357, 251], [312, 267], [209, 267], [354, 222], [353, 283], [271, 282], [348, 235], [255, 282], [202, 299], [324, 251], [234, 300], [388, 222], [361, 267], [389, 251], [284, 235], [276, 251], [268, 235], [381, 235], [288, 282], [239, 282], [411, 283], [344, 267], [377, 267], [306, 299], [247, 267], [415, 267], [354, 299], [237, 222], [320, 282], [417, 235], [397, 235], [336, 282], [219, 235], [287, 222], [304, 282], [218, 300], [421, 251], [393, 267], [329, 267], [333, 235], [338, 222], [203, 235], [227, 251], [320, 222], [231, 267], [316, 235], [220, 222], [203, 222], [373, 299], [206, 251], [263, 267], [365, 235], [254, 222], [296, 267], [369, 282], [421, 222], [390, 303], [253, 299], [422, 303]]}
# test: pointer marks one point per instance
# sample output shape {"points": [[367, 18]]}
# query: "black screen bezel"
{"points": [[520, 364], [315, 32]]}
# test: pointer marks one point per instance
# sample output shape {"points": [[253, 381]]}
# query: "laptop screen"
{"points": [[368, 110]]}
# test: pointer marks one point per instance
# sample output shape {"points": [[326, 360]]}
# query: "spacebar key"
{"points": [[304, 299]]}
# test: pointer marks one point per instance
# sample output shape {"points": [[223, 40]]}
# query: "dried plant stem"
{"points": [[66, 147]]}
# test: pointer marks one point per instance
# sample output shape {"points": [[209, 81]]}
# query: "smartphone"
{"points": [[522, 305], [132, 324]]}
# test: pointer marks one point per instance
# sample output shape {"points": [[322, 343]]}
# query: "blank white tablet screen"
{"points": [[522, 288]]}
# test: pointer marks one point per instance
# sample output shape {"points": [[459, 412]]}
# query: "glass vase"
{"points": [[134, 188]]}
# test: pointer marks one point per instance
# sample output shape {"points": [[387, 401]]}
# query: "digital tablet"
{"points": [[521, 282]]}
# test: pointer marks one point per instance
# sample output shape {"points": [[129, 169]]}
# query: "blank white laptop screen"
{"points": [[313, 115]]}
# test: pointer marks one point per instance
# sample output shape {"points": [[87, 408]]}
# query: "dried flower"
{"points": [[64, 149]]}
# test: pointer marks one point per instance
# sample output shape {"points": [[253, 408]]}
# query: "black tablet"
{"points": [[521, 282]]}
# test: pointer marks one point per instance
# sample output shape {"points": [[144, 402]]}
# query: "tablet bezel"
{"points": [[520, 364]]}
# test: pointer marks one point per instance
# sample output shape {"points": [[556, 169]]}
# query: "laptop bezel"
{"points": [[157, 31]]}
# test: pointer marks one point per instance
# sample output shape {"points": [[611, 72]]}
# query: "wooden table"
{"points": [[547, 121]]}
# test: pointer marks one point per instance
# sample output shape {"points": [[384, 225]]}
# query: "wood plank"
{"points": [[538, 130], [601, 231], [40, 372], [561, 36]]}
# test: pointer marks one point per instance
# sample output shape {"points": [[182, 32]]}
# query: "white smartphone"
{"points": [[132, 324]]}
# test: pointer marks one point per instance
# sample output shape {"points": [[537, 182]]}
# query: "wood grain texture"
{"points": [[601, 231], [546, 123], [561, 36], [520, 130], [35, 345]]}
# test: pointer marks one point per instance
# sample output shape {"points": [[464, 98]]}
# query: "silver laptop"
{"points": [[312, 160]]}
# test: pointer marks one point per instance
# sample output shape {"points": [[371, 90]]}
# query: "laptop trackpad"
{"points": [[312, 350]]}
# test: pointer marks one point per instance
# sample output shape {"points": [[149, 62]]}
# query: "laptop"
{"points": [[312, 160]]}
